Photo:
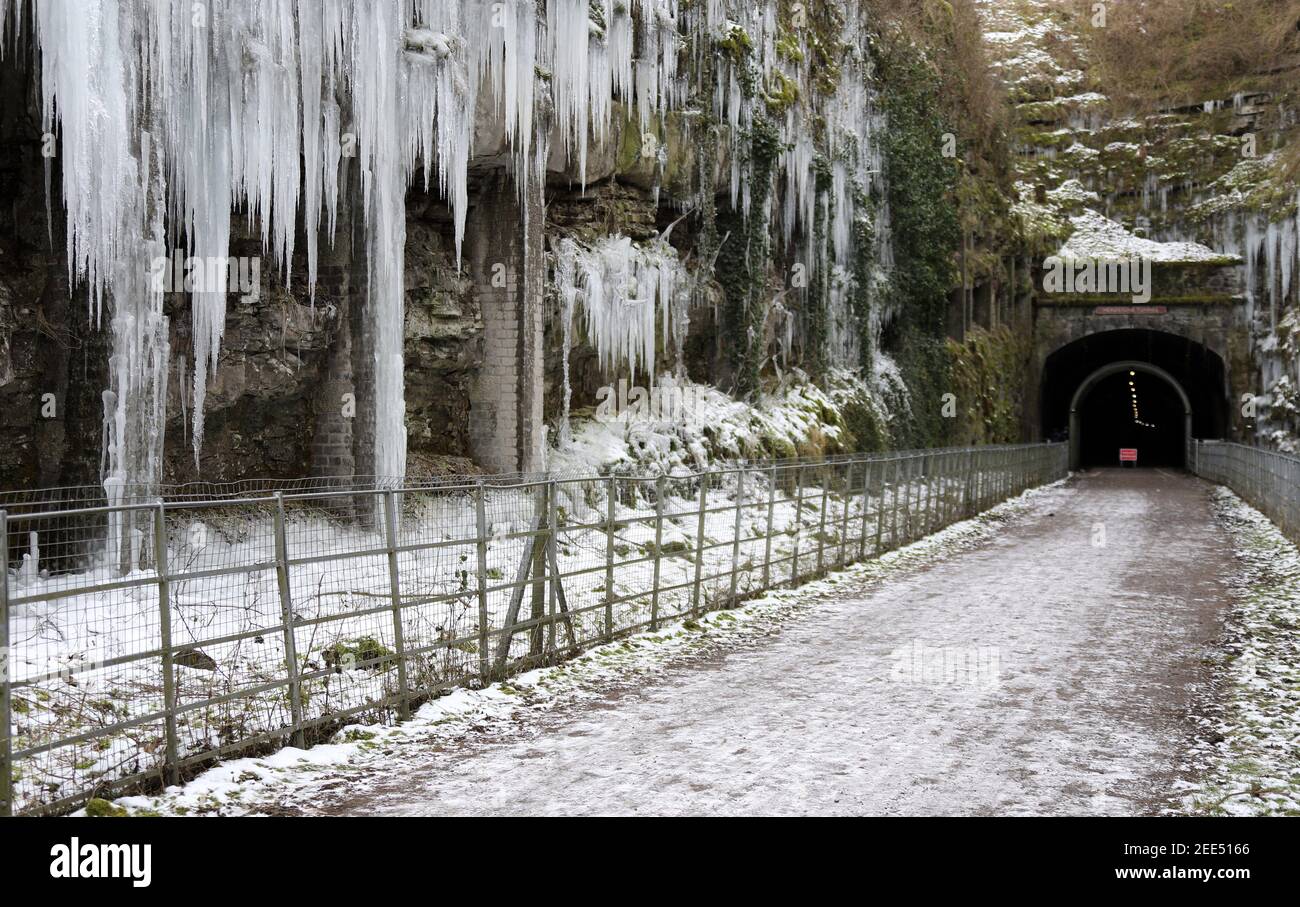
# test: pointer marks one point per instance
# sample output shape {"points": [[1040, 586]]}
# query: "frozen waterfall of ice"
{"points": [[173, 114]]}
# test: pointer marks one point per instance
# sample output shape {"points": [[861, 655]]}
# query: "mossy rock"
{"points": [[366, 652], [674, 547], [99, 808]]}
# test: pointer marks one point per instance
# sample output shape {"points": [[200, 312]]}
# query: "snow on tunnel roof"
{"points": [[1098, 237]]}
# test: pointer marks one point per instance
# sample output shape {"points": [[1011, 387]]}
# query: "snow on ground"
{"points": [[227, 627], [1247, 756], [713, 426], [296, 780], [1037, 661]]}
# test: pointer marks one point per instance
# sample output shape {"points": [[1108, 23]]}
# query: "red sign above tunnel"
{"points": [[1135, 309]]}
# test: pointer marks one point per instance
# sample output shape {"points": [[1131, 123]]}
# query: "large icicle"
{"points": [[93, 75], [630, 296]]}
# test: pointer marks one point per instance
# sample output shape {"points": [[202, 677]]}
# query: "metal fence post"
{"points": [[286, 611], [927, 520], [699, 541], [611, 522], [946, 483], [544, 584], [893, 503], [866, 495], [906, 500], [395, 590], [6, 704], [968, 487], [553, 558], [846, 497], [798, 525], [170, 768], [735, 542], [480, 523], [821, 520], [880, 511], [660, 490], [767, 543]]}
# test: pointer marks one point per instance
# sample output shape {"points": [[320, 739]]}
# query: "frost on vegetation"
{"points": [[1244, 759], [1072, 192], [799, 417], [1039, 221]]}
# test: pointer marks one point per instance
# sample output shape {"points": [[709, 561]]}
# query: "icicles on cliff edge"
{"points": [[113, 171], [168, 109], [172, 115], [630, 296]]}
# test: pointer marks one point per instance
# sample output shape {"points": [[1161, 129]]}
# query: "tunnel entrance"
{"points": [[1129, 405], [1133, 389]]}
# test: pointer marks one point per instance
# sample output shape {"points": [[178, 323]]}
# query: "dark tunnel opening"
{"points": [[1132, 409], [1148, 414]]}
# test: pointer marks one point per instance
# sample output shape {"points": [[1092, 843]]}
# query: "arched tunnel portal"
{"points": [[1140, 389]]}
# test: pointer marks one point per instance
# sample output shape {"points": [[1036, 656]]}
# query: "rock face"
{"points": [[776, 166], [1190, 186], [444, 340], [53, 360], [282, 401]]}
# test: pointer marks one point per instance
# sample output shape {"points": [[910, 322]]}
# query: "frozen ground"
{"points": [[1040, 660], [1246, 757]]}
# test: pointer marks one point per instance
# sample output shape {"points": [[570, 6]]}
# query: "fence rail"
{"points": [[1267, 480], [233, 624]]}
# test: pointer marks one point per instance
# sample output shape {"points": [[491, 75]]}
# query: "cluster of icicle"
{"points": [[630, 295], [173, 114], [1277, 243], [852, 125], [1270, 249]]}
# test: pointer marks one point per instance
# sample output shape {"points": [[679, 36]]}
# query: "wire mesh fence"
{"points": [[144, 638], [1267, 480]]}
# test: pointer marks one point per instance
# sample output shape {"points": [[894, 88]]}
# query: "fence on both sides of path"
{"points": [[242, 622]]}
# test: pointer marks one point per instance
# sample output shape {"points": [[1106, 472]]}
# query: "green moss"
{"points": [[103, 809], [788, 47], [921, 191], [736, 44], [866, 425], [673, 547], [366, 652], [988, 372], [742, 263], [781, 93], [923, 362]]}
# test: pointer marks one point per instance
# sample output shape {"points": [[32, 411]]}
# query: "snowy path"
{"points": [[1079, 660]]}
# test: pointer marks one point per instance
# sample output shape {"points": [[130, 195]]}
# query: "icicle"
{"points": [[230, 105], [628, 293]]}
